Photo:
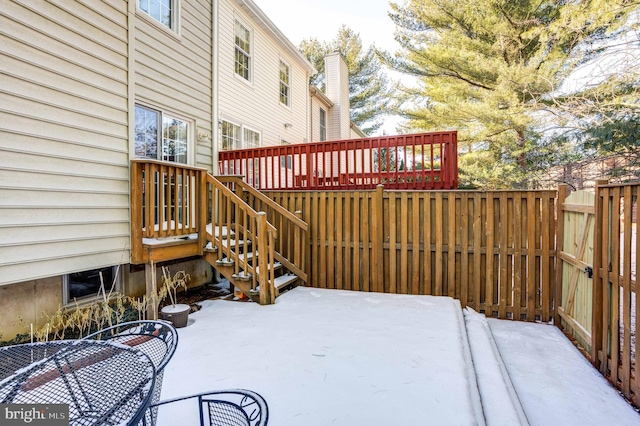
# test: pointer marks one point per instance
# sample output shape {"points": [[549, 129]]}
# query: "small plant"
{"points": [[172, 284]]}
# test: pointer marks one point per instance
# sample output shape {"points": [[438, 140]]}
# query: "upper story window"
{"points": [[234, 136], [284, 84], [160, 136], [323, 125], [243, 51], [163, 11]]}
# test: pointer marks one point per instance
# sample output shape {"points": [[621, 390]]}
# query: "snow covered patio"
{"points": [[333, 357]]}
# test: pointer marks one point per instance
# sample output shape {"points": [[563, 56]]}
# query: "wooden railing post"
{"points": [[298, 244], [136, 212], [597, 298], [377, 249], [202, 204], [263, 259], [562, 195]]}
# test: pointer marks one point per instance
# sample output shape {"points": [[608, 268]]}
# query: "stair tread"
{"points": [[223, 231], [283, 280]]}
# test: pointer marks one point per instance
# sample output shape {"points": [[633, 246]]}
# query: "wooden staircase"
{"points": [[222, 219]]}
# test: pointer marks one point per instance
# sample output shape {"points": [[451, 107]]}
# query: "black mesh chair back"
{"points": [[230, 407], [157, 339]]}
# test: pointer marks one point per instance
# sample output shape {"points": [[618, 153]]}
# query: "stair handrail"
{"points": [[294, 265], [265, 234]]}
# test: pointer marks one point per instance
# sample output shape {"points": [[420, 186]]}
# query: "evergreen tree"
{"points": [[491, 70], [368, 84]]}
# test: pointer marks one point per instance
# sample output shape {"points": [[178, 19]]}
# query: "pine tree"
{"points": [[491, 68]]}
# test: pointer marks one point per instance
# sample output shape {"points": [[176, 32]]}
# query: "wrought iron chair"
{"points": [[157, 339], [229, 407]]}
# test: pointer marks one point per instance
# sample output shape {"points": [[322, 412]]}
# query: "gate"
{"points": [[575, 263]]}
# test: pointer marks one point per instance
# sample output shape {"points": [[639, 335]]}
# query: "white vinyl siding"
{"points": [[64, 149], [258, 104], [173, 74]]}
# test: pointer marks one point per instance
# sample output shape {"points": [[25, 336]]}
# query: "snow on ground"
{"points": [[330, 357], [554, 382]]}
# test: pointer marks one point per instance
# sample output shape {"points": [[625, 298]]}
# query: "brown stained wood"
{"points": [[415, 240], [378, 249], [357, 271], [517, 255], [314, 223], [614, 329], [393, 254], [332, 220], [366, 251], [606, 261], [149, 195], [451, 244], [404, 232], [348, 251], [503, 243], [439, 231], [562, 195], [339, 241], [136, 212], [426, 242], [531, 257], [322, 249], [636, 190], [490, 255], [477, 257], [464, 249], [546, 272], [626, 292]]}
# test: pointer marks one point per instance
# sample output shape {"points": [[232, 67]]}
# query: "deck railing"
{"points": [[416, 161]]}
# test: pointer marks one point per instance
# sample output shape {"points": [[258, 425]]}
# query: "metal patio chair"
{"points": [[229, 407], [157, 339]]}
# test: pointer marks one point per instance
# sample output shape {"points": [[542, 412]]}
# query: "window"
{"points": [[160, 136], [286, 160], [284, 83], [230, 139], [243, 51], [251, 138], [323, 125], [87, 284], [235, 137], [162, 11]]}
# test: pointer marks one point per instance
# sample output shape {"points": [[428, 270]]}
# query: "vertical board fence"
{"points": [[495, 251], [615, 307]]}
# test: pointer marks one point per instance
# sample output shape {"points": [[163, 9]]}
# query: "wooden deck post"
{"points": [[263, 261], [562, 195], [152, 290]]}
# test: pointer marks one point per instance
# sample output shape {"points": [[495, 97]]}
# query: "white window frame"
{"points": [[159, 136], [238, 140], [287, 84], [118, 287], [249, 54], [244, 140], [322, 126], [174, 20]]}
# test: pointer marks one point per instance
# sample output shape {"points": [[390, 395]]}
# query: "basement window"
{"points": [[85, 285]]}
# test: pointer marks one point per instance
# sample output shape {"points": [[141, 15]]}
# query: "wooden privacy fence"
{"points": [[495, 251], [614, 343]]}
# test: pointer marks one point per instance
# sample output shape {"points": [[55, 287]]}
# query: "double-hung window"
{"points": [[234, 136], [284, 84], [163, 11], [243, 51], [160, 136], [323, 125]]}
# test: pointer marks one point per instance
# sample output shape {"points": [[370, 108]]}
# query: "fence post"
{"points": [[377, 252], [597, 298], [298, 244], [562, 195]]}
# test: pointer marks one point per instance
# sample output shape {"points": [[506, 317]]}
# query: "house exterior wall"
{"points": [[318, 101], [64, 147], [256, 104]]}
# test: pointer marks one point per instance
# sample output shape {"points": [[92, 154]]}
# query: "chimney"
{"points": [[337, 90]]}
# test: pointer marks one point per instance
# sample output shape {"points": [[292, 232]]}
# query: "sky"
{"points": [[300, 19]]}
